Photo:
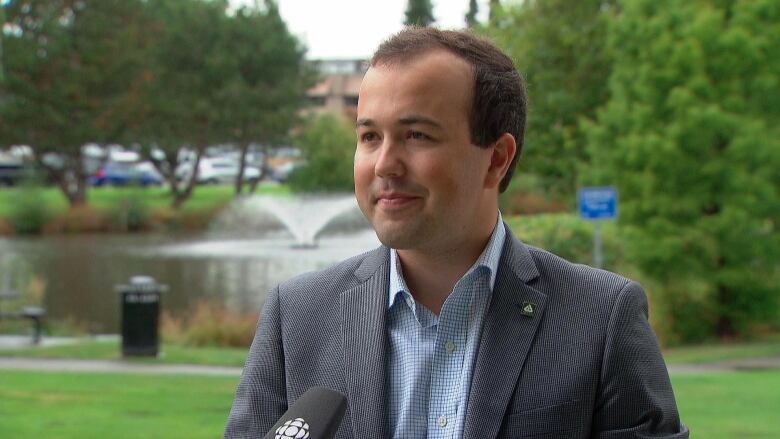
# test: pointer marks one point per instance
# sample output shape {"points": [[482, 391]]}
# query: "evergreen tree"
{"points": [[268, 84], [419, 13], [471, 15], [560, 47], [690, 136]]}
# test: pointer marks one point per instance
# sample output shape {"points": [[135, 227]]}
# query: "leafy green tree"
{"points": [[69, 69], [328, 147], [690, 136], [560, 47], [179, 105], [495, 12], [266, 82], [471, 15], [419, 13]]}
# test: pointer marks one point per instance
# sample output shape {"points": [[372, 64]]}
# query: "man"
{"points": [[454, 328]]}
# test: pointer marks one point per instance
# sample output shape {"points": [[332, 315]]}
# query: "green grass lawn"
{"points": [[77, 405], [730, 405], [110, 350]]}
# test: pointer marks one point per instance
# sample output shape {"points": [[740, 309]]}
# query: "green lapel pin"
{"points": [[528, 309]]}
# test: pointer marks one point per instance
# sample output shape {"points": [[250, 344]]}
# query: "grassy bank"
{"points": [[110, 350], [45, 210], [76, 405]]}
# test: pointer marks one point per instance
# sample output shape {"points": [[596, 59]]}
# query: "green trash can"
{"points": [[140, 301]]}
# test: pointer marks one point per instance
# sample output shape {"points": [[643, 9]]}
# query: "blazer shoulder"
{"points": [[334, 279], [563, 275]]}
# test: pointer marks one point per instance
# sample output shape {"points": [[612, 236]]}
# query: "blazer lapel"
{"points": [[363, 311], [507, 334]]}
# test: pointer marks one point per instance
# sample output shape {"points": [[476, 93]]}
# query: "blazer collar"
{"points": [[363, 312], [507, 334]]}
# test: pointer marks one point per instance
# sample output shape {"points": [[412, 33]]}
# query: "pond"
{"points": [[234, 267]]}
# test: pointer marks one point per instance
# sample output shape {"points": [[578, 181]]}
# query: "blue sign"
{"points": [[597, 203]]}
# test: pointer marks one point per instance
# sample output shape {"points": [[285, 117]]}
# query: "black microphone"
{"points": [[315, 415]]}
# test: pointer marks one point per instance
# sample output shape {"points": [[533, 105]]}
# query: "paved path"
{"points": [[113, 366], [120, 366]]}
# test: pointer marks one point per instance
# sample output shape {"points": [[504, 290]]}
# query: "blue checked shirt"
{"points": [[431, 358]]}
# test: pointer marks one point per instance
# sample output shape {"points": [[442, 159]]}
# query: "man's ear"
{"points": [[503, 151]]}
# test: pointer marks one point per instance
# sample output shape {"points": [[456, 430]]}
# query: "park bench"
{"points": [[34, 313]]}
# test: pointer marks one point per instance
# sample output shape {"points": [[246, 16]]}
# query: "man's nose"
{"points": [[390, 161]]}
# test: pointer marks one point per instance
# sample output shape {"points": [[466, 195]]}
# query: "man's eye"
{"points": [[368, 137], [417, 135]]}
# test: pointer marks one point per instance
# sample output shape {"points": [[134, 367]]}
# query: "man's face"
{"points": [[418, 178]]}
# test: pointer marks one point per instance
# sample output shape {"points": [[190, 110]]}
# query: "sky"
{"points": [[335, 29]]}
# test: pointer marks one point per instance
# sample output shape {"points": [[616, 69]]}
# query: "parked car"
{"points": [[126, 174], [217, 170], [10, 173]]}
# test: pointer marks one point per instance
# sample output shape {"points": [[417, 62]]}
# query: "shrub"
{"points": [[29, 212], [210, 324], [526, 196], [79, 219], [130, 213], [328, 146], [568, 237]]}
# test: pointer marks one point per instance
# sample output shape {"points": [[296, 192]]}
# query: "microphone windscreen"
{"points": [[316, 414]]}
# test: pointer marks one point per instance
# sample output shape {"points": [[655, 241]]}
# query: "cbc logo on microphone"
{"points": [[293, 429]]}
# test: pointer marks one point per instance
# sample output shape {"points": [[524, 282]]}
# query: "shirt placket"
{"points": [[450, 348]]}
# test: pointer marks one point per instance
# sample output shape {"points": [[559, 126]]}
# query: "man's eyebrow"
{"points": [[364, 123], [417, 119], [406, 120]]}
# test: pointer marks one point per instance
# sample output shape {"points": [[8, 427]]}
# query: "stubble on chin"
{"points": [[409, 235]]}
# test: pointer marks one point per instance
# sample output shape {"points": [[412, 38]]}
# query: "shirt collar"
{"points": [[489, 259]]}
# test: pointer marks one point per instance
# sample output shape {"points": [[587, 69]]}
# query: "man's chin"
{"points": [[397, 238]]}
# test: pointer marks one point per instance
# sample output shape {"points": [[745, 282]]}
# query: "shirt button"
{"points": [[449, 346], [442, 421]]}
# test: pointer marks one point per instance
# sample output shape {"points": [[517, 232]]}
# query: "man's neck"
{"points": [[431, 275]]}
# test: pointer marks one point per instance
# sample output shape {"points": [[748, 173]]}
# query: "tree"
{"points": [[471, 15], [267, 84], [690, 137], [328, 146], [495, 11], [180, 105], [419, 13], [70, 68], [560, 47]]}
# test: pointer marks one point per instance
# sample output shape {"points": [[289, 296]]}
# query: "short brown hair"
{"points": [[500, 101]]}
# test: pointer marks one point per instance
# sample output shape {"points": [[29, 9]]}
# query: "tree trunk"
{"points": [[263, 169], [167, 169], [72, 180], [181, 197], [244, 148]]}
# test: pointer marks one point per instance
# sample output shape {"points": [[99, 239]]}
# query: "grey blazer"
{"points": [[584, 364]]}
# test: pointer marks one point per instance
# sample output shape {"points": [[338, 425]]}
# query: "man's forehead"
{"points": [[437, 77], [434, 56]]}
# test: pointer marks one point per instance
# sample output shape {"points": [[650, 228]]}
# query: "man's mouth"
{"points": [[395, 199]]}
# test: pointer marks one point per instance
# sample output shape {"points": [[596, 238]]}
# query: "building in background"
{"points": [[338, 87]]}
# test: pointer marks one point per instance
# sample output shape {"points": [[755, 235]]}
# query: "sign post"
{"points": [[597, 204]]}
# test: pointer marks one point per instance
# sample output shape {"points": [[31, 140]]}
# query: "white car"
{"points": [[217, 170]]}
